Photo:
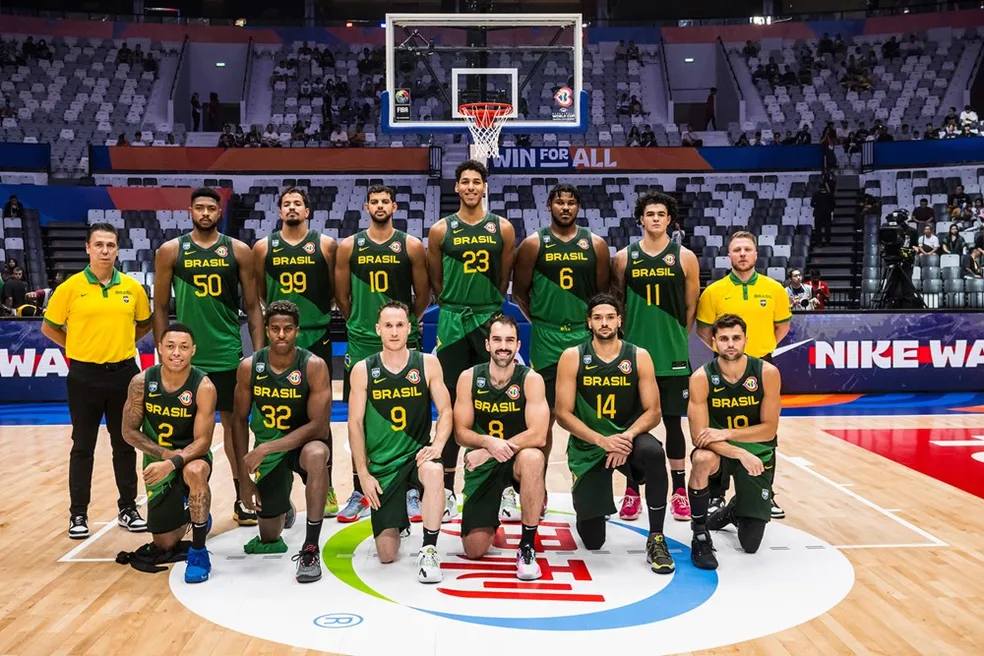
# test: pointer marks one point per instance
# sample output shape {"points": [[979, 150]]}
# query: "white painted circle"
{"points": [[364, 608]]}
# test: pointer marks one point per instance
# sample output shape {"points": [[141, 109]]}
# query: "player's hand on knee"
{"points": [[156, 472], [250, 494], [619, 443], [615, 460], [370, 486], [752, 463], [475, 459], [499, 449], [427, 454]]}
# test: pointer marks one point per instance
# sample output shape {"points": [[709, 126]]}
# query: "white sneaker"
{"points": [[450, 506], [527, 569], [429, 565], [509, 512]]}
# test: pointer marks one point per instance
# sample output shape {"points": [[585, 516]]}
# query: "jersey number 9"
{"points": [[207, 285], [293, 283], [475, 261], [398, 418], [276, 416]]}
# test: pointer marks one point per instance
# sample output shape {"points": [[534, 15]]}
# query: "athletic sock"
{"points": [[698, 507], [313, 534], [529, 537], [430, 537], [198, 533], [235, 484], [449, 480], [656, 517], [632, 484], [356, 484], [678, 479]]}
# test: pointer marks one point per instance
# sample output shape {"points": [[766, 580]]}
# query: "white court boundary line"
{"points": [[89, 541], [933, 541]]}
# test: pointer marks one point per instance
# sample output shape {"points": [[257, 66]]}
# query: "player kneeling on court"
{"points": [[734, 414], [170, 416], [389, 429], [285, 392], [501, 416]]}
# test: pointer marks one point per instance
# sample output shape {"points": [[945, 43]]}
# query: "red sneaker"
{"points": [[631, 506], [680, 506]]}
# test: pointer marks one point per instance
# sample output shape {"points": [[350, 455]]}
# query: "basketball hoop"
{"points": [[485, 121]]}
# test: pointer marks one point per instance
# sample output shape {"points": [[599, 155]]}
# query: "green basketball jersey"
{"points": [[656, 308], [565, 276], [169, 417], [607, 401], [299, 274], [206, 299], [380, 273], [398, 414], [472, 264], [499, 412], [279, 400], [738, 405]]}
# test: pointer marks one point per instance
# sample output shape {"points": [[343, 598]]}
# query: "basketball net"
{"points": [[485, 121]]}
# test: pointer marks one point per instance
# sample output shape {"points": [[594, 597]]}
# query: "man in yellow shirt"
{"points": [[97, 316], [760, 301]]}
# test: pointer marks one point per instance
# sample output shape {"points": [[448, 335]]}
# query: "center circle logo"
{"points": [[582, 597]]}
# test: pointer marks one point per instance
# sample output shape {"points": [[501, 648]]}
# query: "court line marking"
{"points": [[807, 466]]}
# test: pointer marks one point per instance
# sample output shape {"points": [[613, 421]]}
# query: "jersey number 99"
{"points": [[293, 283]]}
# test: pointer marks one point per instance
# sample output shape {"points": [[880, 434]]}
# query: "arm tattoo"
{"points": [[133, 416], [198, 506]]}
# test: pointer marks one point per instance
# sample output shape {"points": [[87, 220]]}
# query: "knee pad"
{"points": [[650, 449], [676, 444], [592, 532], [750, 533]]}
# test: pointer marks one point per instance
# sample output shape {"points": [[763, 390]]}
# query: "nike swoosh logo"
{"points": [[377, 380], [326, 342], [85, 294], [789, 347], [718, 389], [277, 250], [364, 248], [483, 391], [589, 367], [550, 245], [454, 232], [260, 377], [152, 396]]}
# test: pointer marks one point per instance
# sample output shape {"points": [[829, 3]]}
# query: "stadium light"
{"points": [[688, 60]]}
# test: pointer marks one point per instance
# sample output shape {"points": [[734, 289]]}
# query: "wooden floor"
{"points": [[908, 598]]}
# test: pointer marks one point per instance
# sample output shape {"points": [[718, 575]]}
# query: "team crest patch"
{"points": [[669, 259], [490, 227], [375, 372], [362, 241], [480, 382], [582, 244], [295, 377], [686, 394], [260, 367], [221, 251], [126, 299], [152, 386], [396, 247], [715, 380], [546, 239], [765, 495], [635, 255], [413, 376], [454, 224], [751, 384], [275, 243], [513, 392], [586, 359], [185, 397], [309, 248], [625, 367], [186, 246], [762, 302], [348, 361]]}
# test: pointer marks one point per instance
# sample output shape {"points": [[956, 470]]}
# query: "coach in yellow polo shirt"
{"points": [[761, 301], [97, 316], [764, 305]]}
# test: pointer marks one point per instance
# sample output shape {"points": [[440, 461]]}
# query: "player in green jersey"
{"points": [[297, 264], [557, 269], [378, 265], [659, 282], [207, 269], [389, 428], [470, 258], [734, 415], [501, 417], [285, 393], [170, 415], [607, 398]]}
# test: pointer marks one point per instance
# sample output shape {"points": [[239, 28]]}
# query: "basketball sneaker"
{"points": [[243, 515], [777, 512], [131, 520], [527, 569], [721, 517], [702, 551], [714, 504], [631, 506], [450, 506], [291, 516], [78, 527], [509, 507], [413, 505], [680, 506], [331, 503], [429, 565], [198, 566], [356, 508], [308, 564], [658, 555]]}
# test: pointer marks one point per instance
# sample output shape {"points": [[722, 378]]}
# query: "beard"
{"points": [[564, 221], [604, 338], [731, 358], [202, 228], [503, 360], [381, 221]]}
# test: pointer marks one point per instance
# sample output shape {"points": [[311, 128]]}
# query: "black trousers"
{"points": [[95, 391]]}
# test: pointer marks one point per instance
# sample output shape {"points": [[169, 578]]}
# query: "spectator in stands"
{"points": [[772, 70], [150, 65], [676, 232], [212, 112], [972, 264], [43, 51], [635, 107], [788, 77], [788, 140], [923, 215], [196, 112], [297, 134], [979, 208], [253, 138], [953, 243], [338, 137], [621, 52], [819, 289], [357, 138], [842, 133], [931, 132], [928, 242], [304, 52], [622, 107], [826, 45], [121, 141], [7, 111], [10, 266], [882, 135], [41, 297], [891, 49], [951, 131], [957, 200], [270, 137], [137, 56], [823, 211], [805, 75], [524, 141], [904, 133], [757, 139], [690, 139], [709, 110], [912, 47], [648, 137], [803, 137], [760, 74], [15, 289], [968, 116], [240, 137], [828, 138], [124, 55], [915, 135], [951, 116], [632, 52], [13, 208], [227, 139], [800, 295], [750, 50], [742, 140], [634, 138], [138, 139], [306, 89], [840, 47]]}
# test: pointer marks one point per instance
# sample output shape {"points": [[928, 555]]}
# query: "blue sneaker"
{"points": [[198, 566], [413, 506]]}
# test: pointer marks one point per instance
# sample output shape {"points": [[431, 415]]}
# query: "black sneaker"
{"points": [[308, 564], [78, 527], [702, 551], [722, 516], [131, 520], [290, 517], [243, 515], [777, 512], [714, 504], [658, 555]]}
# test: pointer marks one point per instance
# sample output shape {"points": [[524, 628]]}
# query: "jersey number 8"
{"points": [[207, 284], [276, 416], [475, 261], [496, 429], [293, 283]]}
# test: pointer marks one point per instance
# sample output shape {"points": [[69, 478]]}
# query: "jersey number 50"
{"points": [[207, 285]]}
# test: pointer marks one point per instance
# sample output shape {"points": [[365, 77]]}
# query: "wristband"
{"points": [[177, 461]]}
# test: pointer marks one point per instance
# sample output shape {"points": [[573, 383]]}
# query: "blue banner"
{"points": [[25, 157], [928, 152]]}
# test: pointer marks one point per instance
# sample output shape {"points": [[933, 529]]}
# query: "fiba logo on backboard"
{"points": [[564, 98]]}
